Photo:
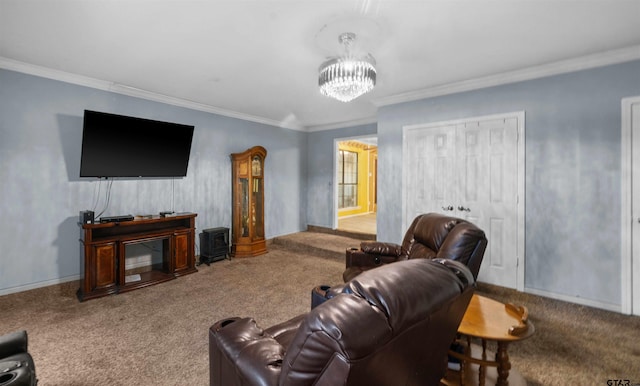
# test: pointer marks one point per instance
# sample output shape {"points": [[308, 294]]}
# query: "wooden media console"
{"points": [[103, 251]]}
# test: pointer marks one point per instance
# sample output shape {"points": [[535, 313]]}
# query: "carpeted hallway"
{"points": [[158, 335]]}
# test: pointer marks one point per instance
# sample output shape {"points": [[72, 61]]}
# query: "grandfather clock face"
{"points": [[256, 166]]}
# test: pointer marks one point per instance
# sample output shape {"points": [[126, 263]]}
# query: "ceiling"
{"points": [[259, 59]]}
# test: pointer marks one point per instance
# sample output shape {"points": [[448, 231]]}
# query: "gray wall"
{"points": [[572, 173], [41, 193], [321, 145]]}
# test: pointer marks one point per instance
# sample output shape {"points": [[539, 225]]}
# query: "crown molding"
{"points": [[571, 65], [556, 68], [343, 124], [81, 80]]}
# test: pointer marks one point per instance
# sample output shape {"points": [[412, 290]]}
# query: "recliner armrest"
{"points": [[358, 258], [241, 353], [13, 343], [380, 248], [285, 327], [284, 332]]}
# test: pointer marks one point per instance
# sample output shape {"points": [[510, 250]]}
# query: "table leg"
{"points": [[463, 363], [482, 369], [502, 357]]}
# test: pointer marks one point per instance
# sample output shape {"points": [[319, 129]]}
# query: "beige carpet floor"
{"points": [[158, 335]]}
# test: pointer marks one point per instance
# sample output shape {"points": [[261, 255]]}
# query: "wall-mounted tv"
{"points": [[121, 146]]}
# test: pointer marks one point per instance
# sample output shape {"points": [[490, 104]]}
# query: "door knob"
{"points": [[462, 208], [450, 207]]}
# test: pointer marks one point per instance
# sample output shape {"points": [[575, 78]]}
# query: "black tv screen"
{"points": [[121, 146]]}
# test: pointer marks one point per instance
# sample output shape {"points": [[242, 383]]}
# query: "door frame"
{"points": [[336, 142], [630, 272], [520, 199]]}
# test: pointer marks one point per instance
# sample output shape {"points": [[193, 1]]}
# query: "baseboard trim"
{"points": [[40, 284], [575, 300], [552, 296]]}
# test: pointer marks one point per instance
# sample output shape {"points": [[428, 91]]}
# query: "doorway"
{"points": [[472, 169], [630, 292], [355, 177]]}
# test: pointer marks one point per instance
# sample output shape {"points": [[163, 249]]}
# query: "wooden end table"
{"points": [[490, 320]]}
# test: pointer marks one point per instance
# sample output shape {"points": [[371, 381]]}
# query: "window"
{"points": [[347, 179]]}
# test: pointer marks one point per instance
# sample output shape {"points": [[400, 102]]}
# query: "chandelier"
{"points": [[346, 78]]}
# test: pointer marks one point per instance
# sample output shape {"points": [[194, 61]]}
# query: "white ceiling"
{"points": [[259, 59]]}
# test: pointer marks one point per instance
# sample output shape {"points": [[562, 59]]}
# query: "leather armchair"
{"points": [[389, 326], [16, 364], [430, 236]]}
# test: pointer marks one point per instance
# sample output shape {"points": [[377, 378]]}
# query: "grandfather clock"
{"points": [[247, 238]]}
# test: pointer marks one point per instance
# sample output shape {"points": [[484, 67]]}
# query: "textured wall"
{"points": [[572, 172], [41, 193]]}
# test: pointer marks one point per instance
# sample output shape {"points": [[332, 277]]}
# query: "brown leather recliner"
{"points": [[430, 236], [390, 326], [16, 364]]}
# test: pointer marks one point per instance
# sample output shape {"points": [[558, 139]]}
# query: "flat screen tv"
{"points": [[121, 146]]}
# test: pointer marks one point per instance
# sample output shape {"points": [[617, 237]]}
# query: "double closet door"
{"points": [[469, 169]]}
